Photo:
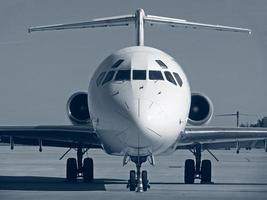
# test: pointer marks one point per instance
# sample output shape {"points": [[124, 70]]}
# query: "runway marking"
{"points": [[172, 166]]}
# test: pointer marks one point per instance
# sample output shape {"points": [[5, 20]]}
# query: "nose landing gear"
{"points": [[138, 181]]}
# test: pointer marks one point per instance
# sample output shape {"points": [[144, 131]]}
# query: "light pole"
{"points": [[237, 115]]}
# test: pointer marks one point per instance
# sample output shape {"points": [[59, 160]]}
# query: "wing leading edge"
{"points": [[57, 136], [217, 137]]}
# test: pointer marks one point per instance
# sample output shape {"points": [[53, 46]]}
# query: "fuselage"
{"points": [[139, 100]]}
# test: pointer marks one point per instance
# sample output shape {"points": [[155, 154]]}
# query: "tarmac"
{"points": [[28, 174]]}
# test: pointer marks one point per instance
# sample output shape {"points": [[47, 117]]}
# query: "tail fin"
{"points": [[139, 19]]}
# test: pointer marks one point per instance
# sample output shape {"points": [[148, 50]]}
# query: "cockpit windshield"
{"points": [[139, 74], [169, 77], [100, 78], [178, 79], [123, 75], [108, 77], [127, 75], [116, 64], [162, 64], [155, 75]]}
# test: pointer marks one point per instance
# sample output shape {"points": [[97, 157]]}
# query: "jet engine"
{"points": [[77, 108], [201, 109]]}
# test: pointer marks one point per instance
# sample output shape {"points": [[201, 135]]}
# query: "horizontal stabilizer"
{"points": [[193, 25], [139, 19], [123, 20]]}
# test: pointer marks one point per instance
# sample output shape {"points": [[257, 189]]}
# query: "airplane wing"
{"points": [[57, 136], [218, 138]]}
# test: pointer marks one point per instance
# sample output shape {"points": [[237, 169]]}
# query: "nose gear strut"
{"points": [[138, 181]]}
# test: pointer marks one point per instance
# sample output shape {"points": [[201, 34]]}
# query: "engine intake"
{"points": [[201, 109], [77, 108]]}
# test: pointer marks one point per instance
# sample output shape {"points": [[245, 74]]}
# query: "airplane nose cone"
{"points": [[145, 130]]}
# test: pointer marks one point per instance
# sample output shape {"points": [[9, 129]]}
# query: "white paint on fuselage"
{"points": [[139, 117]]}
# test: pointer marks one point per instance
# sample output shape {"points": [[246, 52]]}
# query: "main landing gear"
{"points": [[138, 181], [197, 169], [77, 168]]}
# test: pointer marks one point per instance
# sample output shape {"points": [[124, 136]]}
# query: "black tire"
{"points": [[189, 171], [71, 171], [88, 170], [132, 181], [144, 180], [206, 171]]}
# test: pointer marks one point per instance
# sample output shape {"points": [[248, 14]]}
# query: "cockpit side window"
{"points": [[169, 77], [139, 74], [116, 64], [155, 75], [178, 79], [108, 77], [123, 75], [100, 78], [162, 64]]}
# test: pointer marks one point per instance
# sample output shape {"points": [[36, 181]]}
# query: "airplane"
{"points": [[138, 105]]}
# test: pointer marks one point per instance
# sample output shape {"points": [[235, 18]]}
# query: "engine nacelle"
{"points": [[201, 109], [77, 108]]}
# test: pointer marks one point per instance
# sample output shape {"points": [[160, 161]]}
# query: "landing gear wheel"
{"points": [[206, 171], [71, 170], [145, 180], [189, 171], [132, 180], [88, 170]]}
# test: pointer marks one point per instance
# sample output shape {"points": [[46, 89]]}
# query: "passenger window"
{"points": [[123, 75], [169, 77], [162, 64], [100, 78], [116, 64], [155, 75], [139, 74], [178, 79], [108, 77]]}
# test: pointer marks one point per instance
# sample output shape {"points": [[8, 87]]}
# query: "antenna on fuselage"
{"points": [[139, 19]]}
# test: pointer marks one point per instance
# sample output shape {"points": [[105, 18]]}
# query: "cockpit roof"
{"points": [[133, 60], [139, 57]]}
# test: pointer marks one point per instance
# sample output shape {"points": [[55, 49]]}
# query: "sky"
{"points": [[40, 71]]}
